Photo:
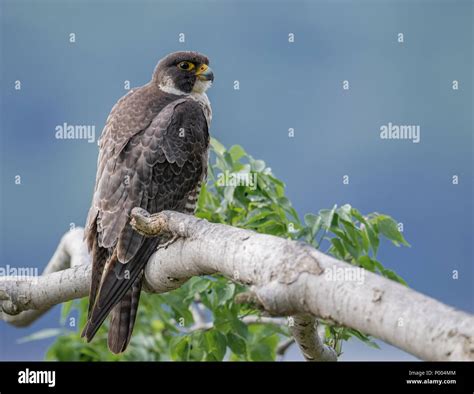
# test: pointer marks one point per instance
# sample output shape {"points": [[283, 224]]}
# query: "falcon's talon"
{"points": [[168, 243], [140, 213]]}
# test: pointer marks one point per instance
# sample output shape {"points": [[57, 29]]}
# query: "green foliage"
{"points": [[241, 191]]}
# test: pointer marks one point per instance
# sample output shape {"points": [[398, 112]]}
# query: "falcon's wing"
{"points": [[156, 168]]}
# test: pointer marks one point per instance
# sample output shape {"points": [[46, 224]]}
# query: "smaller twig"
{"points": [[305, 331], [284, 346]]}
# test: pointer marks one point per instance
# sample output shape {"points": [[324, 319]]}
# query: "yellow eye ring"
{"points": [[186, 66]]}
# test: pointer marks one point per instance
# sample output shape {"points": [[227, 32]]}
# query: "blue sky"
{"points": [[283, 85]]}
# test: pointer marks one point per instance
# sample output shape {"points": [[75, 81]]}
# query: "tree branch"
{"points": [[304, 329], [288, 278], [23, 300]]}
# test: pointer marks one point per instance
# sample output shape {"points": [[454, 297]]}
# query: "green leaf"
{"points": [[373, 237], [257, 165], [228, 161], [180, 309], [217, 146], [198, 285], [365, 240], [216, 344], [358, 216], [346, 241], [239, 327], [259, 214], [367, 263], [225, 294], [237, 152], [345, 213], [310, 219], [393, 276], [179, 348], [362, 337], [265, 348], [388, 227], [236, 344], [327, 216], [339, 247], [352, 232]]}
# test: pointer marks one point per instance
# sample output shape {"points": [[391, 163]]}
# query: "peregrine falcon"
{"points": [[153, 154]]}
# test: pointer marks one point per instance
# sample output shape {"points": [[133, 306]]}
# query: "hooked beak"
{"points": [[204, 73]]}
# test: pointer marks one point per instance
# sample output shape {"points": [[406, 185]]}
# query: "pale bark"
{"points": [[304, 329], [288, 278], [26, 299]]}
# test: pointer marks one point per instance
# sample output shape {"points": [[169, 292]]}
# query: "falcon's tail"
{"points": [[119, 292], [122, 318]]}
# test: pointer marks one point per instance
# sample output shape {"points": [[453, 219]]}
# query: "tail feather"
{"points": [[117, 281], [99, 257], [122, 318]]}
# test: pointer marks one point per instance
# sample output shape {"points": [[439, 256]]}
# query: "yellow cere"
{"points": [[202, 68]]}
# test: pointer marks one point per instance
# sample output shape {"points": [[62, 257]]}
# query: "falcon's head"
{"points": [[183, 73]]}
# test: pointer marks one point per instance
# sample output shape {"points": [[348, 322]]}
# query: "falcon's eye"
{"points": [[186, 66]]}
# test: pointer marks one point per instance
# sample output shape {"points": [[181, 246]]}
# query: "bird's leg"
{"points": [[155, 225], [146, 224]]}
